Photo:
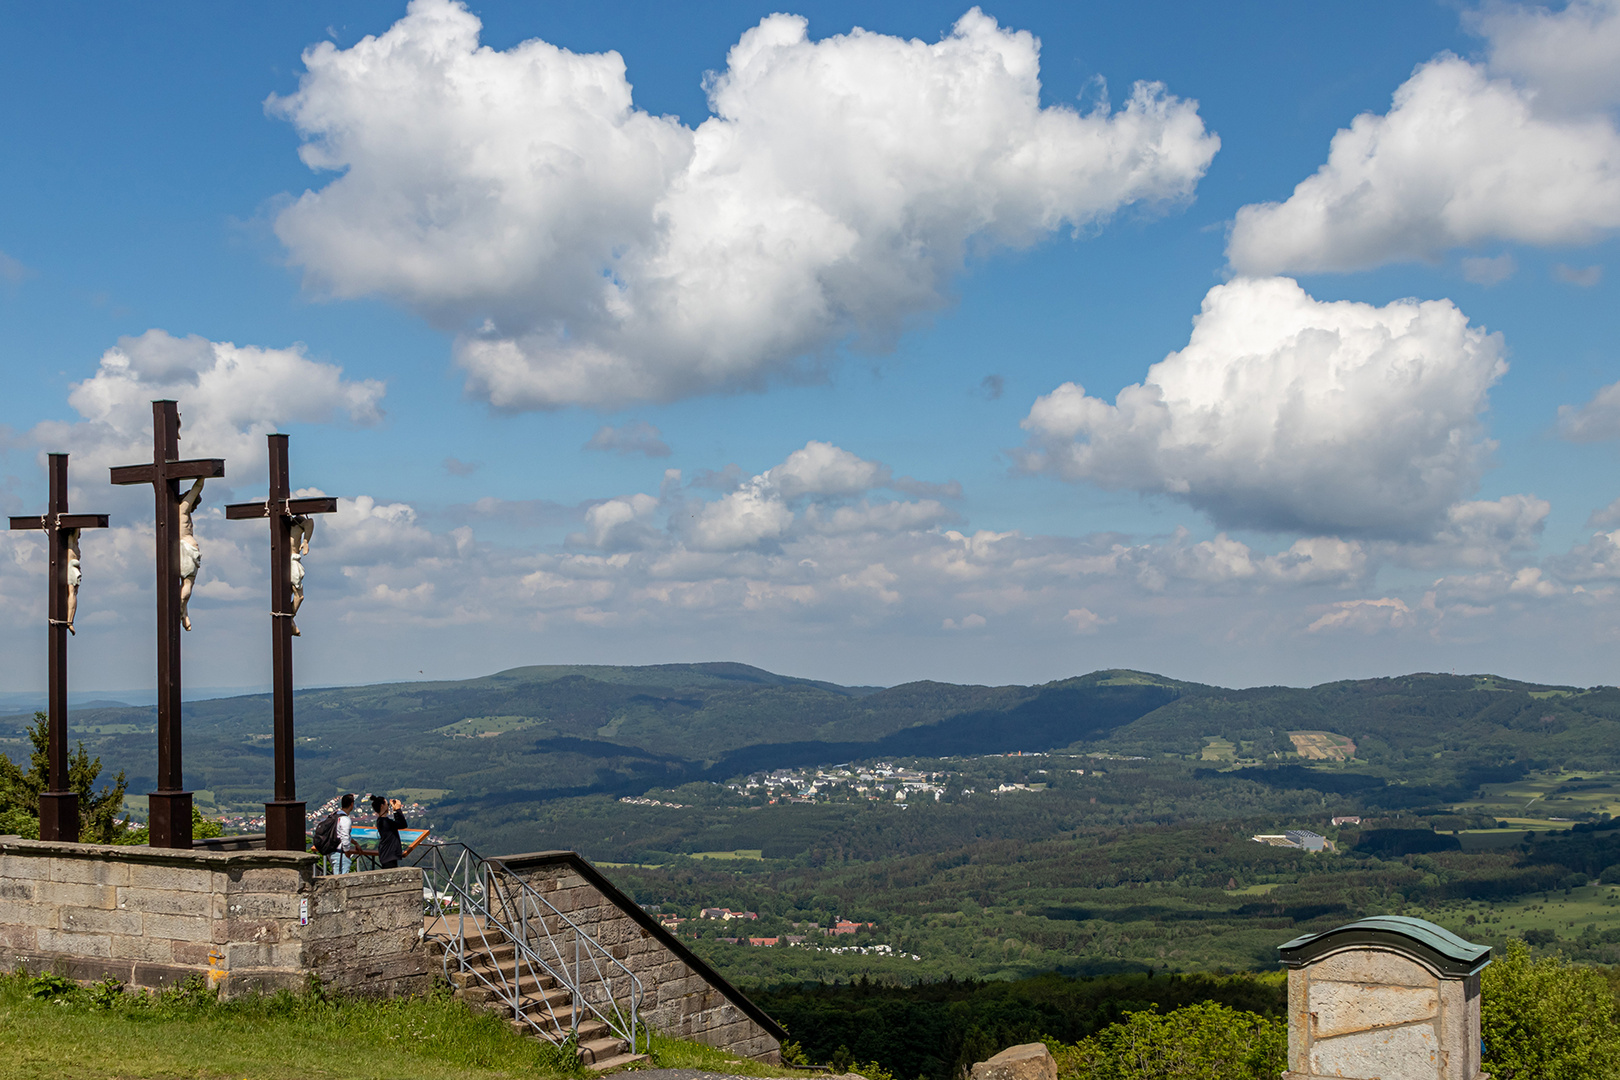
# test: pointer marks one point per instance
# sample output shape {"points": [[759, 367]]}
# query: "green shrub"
{"points": [[1207, 1041], [20, 790], [1547, 1019]]}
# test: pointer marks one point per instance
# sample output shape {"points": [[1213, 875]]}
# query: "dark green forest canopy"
{"points": [[544, 732], [1120, 842]]}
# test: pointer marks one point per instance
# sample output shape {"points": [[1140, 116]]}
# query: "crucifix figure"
{"points": [[170, 804], [291, 528], [190, 553], [58, 806]]}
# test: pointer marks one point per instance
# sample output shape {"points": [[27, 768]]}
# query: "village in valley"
{"points": [[885, 781]]}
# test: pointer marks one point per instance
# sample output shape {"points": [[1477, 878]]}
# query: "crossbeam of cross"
{"points": [[170, 804], [58, 806], [284, 818]]}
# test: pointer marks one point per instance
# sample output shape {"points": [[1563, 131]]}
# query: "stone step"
{"points": [[602, 1049], [558, 1000], [525, 984], [619, 1062], [477, 993]]}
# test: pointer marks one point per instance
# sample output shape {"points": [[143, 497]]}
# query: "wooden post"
{"points": [[58, 805], [170, 804], [284, 820]]}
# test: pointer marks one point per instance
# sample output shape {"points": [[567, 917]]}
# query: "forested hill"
{"points": [[539, 732]]}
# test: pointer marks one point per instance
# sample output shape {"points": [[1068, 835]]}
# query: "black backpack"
{"points": [[325, 837]]}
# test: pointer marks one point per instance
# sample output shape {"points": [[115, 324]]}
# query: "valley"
{"points": [[1093, 825]]}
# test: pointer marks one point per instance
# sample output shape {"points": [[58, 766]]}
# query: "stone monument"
{"points": [[1387, 997]]}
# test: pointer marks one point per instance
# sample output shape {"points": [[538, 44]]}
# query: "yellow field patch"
{"points": [[1322, 745]]}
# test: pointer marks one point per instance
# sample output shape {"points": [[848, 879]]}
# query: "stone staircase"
{"points": [[546, 1007]]}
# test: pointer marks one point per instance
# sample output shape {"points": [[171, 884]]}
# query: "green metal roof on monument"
{"points": [[1431, 945]]}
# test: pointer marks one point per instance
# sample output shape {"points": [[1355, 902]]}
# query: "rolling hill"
{"points": [[545, 732]]}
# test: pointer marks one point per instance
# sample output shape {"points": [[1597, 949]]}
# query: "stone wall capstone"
{"points": [[684, 997]]}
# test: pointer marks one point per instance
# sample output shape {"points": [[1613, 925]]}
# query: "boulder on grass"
{"points": [[1031, 1061]]}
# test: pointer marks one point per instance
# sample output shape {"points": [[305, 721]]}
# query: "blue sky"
{"points": [[844, 310]]}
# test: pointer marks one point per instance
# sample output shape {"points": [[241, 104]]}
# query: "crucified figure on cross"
{"points": [[190, 553], [299, 534], [74, 576]]}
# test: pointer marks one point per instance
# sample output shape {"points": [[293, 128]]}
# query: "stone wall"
{"points": [[1388, 996], [1368, 1012], [152, 917], [684, 997]]}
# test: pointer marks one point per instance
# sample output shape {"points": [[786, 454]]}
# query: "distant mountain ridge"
{"points": [[548, 731]]}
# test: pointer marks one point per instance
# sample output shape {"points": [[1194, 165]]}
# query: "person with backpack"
{"points": [[332, 840], [389, 849]]}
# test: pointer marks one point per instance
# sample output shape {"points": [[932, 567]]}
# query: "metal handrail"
{"points": [[501, 909]]}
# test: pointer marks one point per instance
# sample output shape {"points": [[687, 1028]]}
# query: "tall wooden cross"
{"points": [[58, 806], [284, 817], [170, 815]]}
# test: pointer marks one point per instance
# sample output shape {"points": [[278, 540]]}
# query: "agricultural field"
{"points": [[484, 727], [1322, 745], [1564, 915], [1549, 799], [1218, 749]]}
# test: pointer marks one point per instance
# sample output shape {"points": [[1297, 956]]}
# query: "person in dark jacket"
{"points": [[389, 851]]}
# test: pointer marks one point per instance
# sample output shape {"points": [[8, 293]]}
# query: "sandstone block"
{"points": [[146, 949], [1404, 1053], [1372, 966], [71, 944], [263, 931], [22, 913], [94, 920], [190, 953], [171, 879], [16, 889], [269, 879], [193, 928], [65, 894], [18, 937], [86, 871], [287, 954], [1030, 1061], [261, 905], [1340, 1008], [164, 902]]}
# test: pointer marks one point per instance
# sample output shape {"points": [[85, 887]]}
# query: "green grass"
{"points": [[668, 1053], [1217, 749], [276, 1037], [53, 1028], [1564, 915], [756, 854]]}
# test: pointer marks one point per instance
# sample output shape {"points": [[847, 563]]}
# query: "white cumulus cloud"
{"points": [[1461, 158], [1571, 56], [590, 253], [1286, 413], [230, 396], [1367, 616], [1598, 419]]}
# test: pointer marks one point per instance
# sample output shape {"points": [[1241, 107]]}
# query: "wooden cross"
{"points": [[58, 806], [284, 817], [170, 816]]}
